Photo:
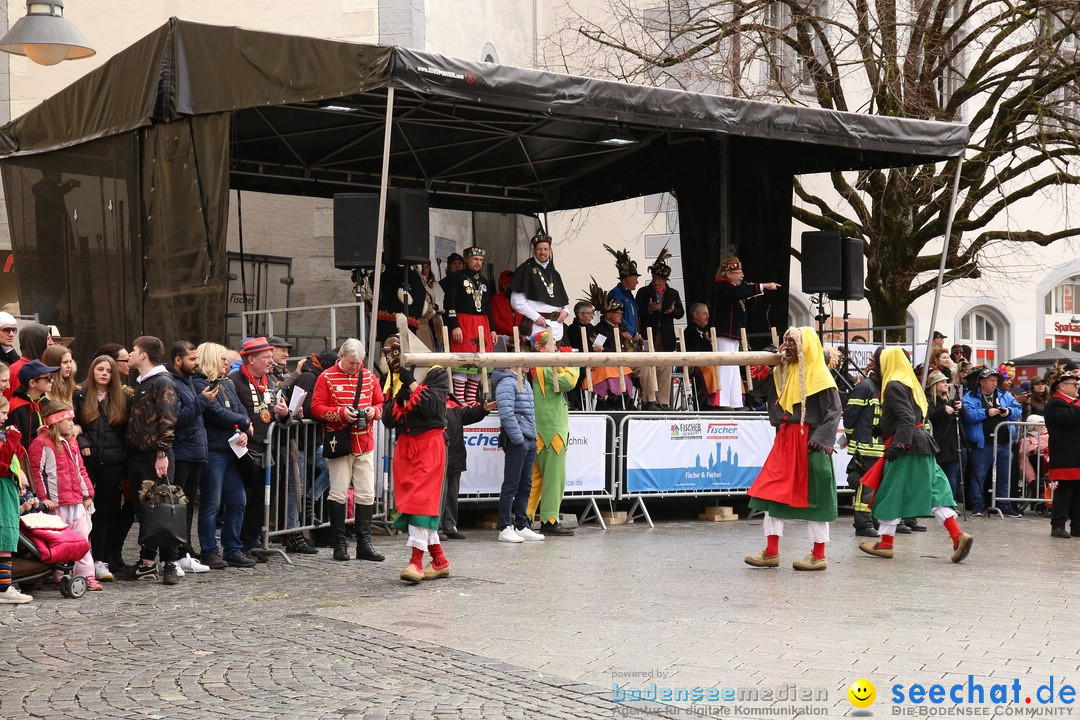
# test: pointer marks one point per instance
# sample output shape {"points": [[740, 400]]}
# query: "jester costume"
{"points": [[797, 480], [419, 416], [550, 386], [907, 479]]}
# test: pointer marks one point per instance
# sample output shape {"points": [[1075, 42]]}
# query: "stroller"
{"points": [[46, 546]]}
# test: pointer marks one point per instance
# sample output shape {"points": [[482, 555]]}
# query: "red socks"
{"points": [[772, 545], [417, 559], [819, 551], [438, 558], [954, 529], [885, 543]]}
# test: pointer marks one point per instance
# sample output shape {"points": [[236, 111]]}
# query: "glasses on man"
{"points": [[11, 330]]}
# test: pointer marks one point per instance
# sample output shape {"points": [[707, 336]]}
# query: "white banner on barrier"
{"points": [[586, 456], [701, 454]]}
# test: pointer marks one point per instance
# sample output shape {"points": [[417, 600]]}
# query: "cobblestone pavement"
{"points": [[555, 629]]}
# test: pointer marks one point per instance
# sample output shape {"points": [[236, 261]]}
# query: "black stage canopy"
{"points": [[158, 135]]}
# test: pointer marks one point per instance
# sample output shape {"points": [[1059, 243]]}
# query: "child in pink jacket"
{"points": [[60, 477]]}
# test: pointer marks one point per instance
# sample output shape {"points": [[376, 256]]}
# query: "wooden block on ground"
{"points": [[619, 517], [485, 525], [491, 517], [719, 510], [713, 517]]}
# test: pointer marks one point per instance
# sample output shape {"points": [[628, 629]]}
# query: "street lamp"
{"points": [[45, 36]]}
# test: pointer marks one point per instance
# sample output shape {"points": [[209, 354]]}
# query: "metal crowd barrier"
{"points": [[592, 510], [639, 509], [296, 482], [1035, 496]]}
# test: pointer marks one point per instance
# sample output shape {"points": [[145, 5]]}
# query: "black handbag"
{"points": [[338, 443], [163, 520]]}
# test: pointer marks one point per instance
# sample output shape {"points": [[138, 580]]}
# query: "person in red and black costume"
{"points": [[1063, 427], [418, 412], [504, 317], [727, 311], [263, 407], [347, 394], [468, 314]]}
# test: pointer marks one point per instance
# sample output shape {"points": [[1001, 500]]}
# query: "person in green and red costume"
{"points": [[907, 479], [797, 480], [418, 412]]}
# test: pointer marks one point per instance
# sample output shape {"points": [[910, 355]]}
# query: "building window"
{"points": [[1062, 321], [779, 57], [817, 12], [979, 330]]}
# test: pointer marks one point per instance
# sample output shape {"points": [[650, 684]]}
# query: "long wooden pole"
{"points": [[585, 345], [593, 359]]}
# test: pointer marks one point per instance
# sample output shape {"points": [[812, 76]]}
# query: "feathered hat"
{"points": [[660, 267], [600, 300], [625, 265]]}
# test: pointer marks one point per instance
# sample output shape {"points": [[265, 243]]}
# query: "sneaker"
{"points": [[215, 562], [145, 572], [190, 564], [240, 561], [961, 547], [762, 560], [93, 584], [875, 549], [433, 573], [810, 563], [526, 533], [12, 596], [509, 535], [179, 571], [170, 576], [1011, 512], [976, 513], [101, 572]]}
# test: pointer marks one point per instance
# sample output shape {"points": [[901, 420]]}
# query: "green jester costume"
{"points": [[550, 386]]}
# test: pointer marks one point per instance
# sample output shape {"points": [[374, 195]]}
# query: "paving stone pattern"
{"points": [[546, 630]]}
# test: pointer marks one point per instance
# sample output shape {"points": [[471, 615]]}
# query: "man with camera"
{"points": [[347, 399]]}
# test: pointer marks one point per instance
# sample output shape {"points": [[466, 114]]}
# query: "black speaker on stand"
{"points": [[833, 265], [408, 239]]}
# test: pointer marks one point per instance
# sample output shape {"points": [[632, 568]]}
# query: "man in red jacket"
{"points": [[347, 395]]}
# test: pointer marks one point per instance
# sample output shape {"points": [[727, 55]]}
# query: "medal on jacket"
{"points": [[549, 286], [259, 407]]}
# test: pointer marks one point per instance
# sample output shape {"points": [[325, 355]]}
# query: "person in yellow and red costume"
{"points": [[550, 386], [907, 479], [797, 480]]}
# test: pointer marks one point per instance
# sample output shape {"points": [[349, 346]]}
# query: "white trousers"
{"points": [[420, 538], [816, 531], [731, 387], [941, 513]]}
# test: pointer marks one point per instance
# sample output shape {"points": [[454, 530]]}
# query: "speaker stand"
{"points": [[821, 316], [359, 278]]}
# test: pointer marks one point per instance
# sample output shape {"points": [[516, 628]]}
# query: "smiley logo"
{"points": [[862, 693]]}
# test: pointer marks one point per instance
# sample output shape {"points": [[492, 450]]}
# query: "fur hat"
{"points": [[623, 263]]}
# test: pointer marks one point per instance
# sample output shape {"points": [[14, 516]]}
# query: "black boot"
{"points": [[364, 551], [337, 527]]}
